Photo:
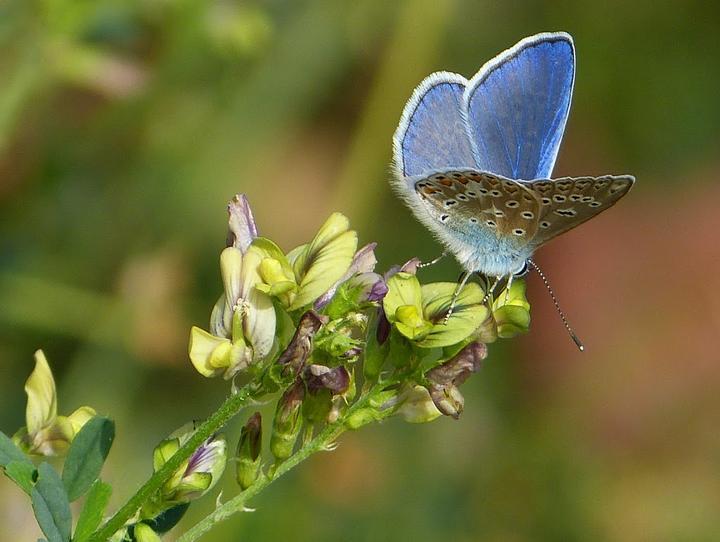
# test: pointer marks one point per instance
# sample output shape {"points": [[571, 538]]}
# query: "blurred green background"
{"points": [[125, 126]]}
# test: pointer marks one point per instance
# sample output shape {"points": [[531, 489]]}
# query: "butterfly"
{"points": [[473, 159]]}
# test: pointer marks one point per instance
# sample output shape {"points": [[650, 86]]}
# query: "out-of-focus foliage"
{"points": [[126, 125]]}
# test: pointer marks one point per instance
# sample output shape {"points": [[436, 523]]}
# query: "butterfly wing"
{"points": [[482, 200], [517, 106], [432, 134], [568, 202]]}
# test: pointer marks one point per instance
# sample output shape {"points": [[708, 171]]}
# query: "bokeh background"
{"points": [[125, 126]]}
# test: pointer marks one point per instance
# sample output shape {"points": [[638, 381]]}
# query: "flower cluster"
{"points": [[335, 343], [314, 322]]}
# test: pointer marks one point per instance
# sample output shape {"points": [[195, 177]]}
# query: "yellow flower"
{"points": [[418, 312], [46, 433], [242, 323], [322, 262]]}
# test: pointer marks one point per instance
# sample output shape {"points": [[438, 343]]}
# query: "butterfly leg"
{"points": [[455, 296], [432, 262], [507, 288], [489, 291]]}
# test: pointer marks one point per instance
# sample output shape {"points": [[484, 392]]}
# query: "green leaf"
{"points": [[86, 456], [22, 473], [51, 506], [10, 452], [92, 512]]}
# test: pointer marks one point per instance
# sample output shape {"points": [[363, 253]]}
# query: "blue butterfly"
{"points": [[473, 159]]}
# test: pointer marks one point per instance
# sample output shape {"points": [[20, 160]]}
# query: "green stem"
{"points": [[237, 504], [321, 442], [229, 409]]}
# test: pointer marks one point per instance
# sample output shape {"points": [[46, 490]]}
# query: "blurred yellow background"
{"points": [[125, 126]]}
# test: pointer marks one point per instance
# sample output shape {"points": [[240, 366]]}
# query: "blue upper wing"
{"points": [[517, 106], [432, 133]]}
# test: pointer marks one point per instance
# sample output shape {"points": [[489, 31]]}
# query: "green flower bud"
{"points": [[145, 533], [45, 432], [278, 277], [323, 262], [287, 422], [376, 347], [511, 311], [195, 477], [443, 380], [248, 452]]}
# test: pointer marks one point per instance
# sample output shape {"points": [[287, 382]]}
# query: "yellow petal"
{"points": [[258, 309], [80, 417], [323, 267], [231, 263], [209, 354], [418, 406], [403, 289], [42, 398], [468, 314], [334, 226]]}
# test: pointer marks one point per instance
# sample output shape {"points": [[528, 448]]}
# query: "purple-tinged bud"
{"points": [[241, 224], [287, 422], [443, 380], [363, 262], [377, 291], [195, 477], [248, 451], [296, 354], [319, 377], [383, 327], [411, 267]]}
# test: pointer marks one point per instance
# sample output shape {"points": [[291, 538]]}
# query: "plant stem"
{"points": [[237, 504], [229, 409]]}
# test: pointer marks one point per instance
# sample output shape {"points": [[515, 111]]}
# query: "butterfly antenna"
{"points": [[570, 331]]}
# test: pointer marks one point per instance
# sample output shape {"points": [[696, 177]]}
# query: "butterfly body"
{"points": [[474, 158]]}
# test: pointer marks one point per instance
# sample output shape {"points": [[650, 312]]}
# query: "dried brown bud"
{"points": [[250, 441], [248, 451], [443, 380], [287, 422], [295, 355], [319, 377]]}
